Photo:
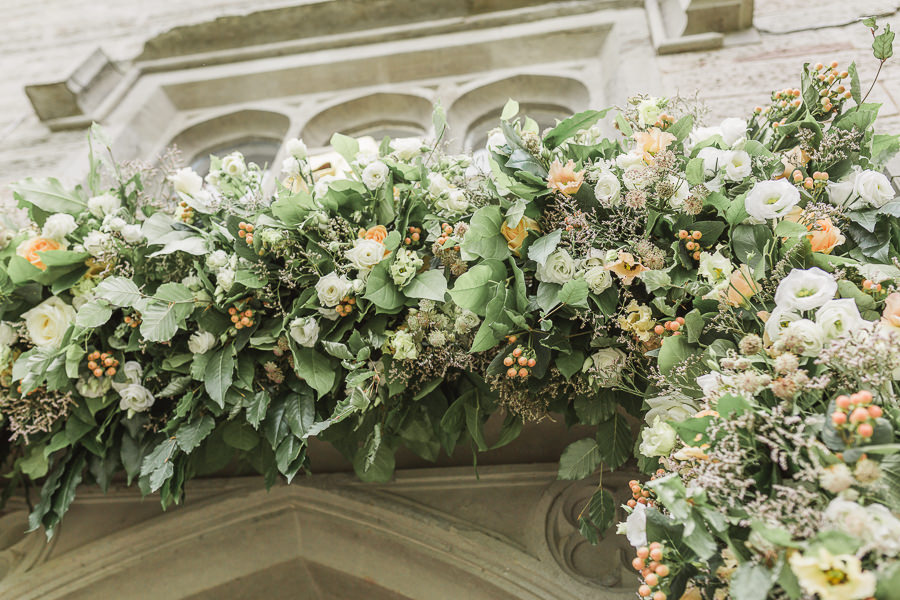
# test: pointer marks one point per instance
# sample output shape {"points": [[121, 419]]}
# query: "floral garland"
{"points": [[735, 287]]}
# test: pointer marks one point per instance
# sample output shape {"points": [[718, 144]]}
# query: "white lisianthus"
{"points": [[636, 526], [454, 201], [710, 384], [671, 407], [701, 134], [375, 174], [605, 366], [97, 243], [132, 234], [873, 524], [843, 193], [832, 576], [713, 160], [495, 140], [805, 289], [837, 317], [658, 439], [771, 199], [737, 165], [201, 342], [305, 331], [681, 193], [874, 188], [104, 204], [648, 111], [217, 259], [333, 288], [225, 278], [114, 223], [186, 181], [8, 335], [808, 333], [48, 321], [233, 164], [58, 226], [437, 184], [598, 278], [368, 151], [778, 321], [321, 186], [558, 268], [608, 189], [630, 160], [296, 148], [406, 148], [715, 267], [733, 130], [290, 167], [365, 254]]}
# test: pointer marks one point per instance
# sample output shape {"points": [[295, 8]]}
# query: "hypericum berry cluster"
{"points": [[664, 121], [691, 241], [672, 326], [245, 231], [133, 320], [447, 234], [855, 415], [870, 286], [102, 363], [241, 318], [784, 102], [831, 97], [520, 361], [641, 494], [184, 212], [818, 181], [345, 306], [649, 562], [414, 234]]}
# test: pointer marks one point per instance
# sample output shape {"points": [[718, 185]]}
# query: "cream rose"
{"points": [[48, 322], [771, 199], [598, 278], [201, 342], [365, 254], [658, 439], [608, 189], [808, 333], [233, 164], [454, 201], [605, 366], [332, 288], [737, 165], [874, 188], [104, 204], [186, 181], [58, 226], [305, 331], [558, 268]]}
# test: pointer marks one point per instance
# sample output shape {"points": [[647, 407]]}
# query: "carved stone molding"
{"points": [[691, 25]]}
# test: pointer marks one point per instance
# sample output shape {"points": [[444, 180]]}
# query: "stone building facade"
{"points": [[210, 75]]}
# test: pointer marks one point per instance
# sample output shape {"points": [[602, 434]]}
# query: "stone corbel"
{"points": [[691, 25], [74, 102]]}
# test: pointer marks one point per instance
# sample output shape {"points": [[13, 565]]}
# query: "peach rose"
{"points": [[653, 141], [627, 268], [564, 179], [891, 314], [824, 236], [741, 286], [29, 250], [515, 236], [377, 233], [793, 159]]}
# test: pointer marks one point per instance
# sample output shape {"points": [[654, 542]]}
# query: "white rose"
{"points": [[201, 342], [715, 267], [290, 167], [658, 439], [454, 201], [874, 188], [135, 398], [186, 181], [805, 289], [681, 193], [630, 161], [737, 165], [710, 384], [365, 254], [605, 366], [132, 234], [332, 288], [558, 268], [104, 204], [810, 335], [321, 186], [437, 184], [598, 278], [733, 130], [217, 259], [375, 174], [114, 223], [713, 159], [495, 140], [58, 226], [701, 134], [672, 407], [225, 278], [233, 164], [843, 193], [296, 148], [608, 189], [8, 335], [305, 331], [368, 151], [636, 526], [778, 321], [97, 243], [648, 112], [48, 321], [406, 148], [771, 199], [837, 317]]}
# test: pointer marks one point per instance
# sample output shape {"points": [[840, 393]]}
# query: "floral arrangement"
{"points": [[734, 288]]}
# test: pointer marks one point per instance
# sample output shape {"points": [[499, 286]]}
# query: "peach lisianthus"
{"points": [[627, 268], [376, 233], [824, 236], [653, 141], [515, 236], [792, 160], [564, 179], [891, 314], [741, 286], [29, 249]]}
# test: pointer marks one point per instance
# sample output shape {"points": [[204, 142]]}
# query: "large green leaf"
{"points": [[615, 441], [380, 288], [569, 127], [119, 291], [316, 369], [579, 459], [430, 284], [93, 314], [49, 195], [219, 374], [189, 435]]}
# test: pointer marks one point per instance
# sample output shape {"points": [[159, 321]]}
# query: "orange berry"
{"points": [[675, 326], [508, 361], [696, 255], [865, 430], [656, 554], [659, 329], [111, 371], [235, 318], [683, 234], [631, 503], [843, 401], [109, 361], [523, 373], [652, 580], [248, 313], [407, 241], [232, 311], [697, 235], [838, 418], [643, 552], [864, 396], [127, 319], [98, 372], [644, 591], [517, 352], [522, 361], [415, 237], [637, 563], [875, 411], [680, 320], [834, 64], [512, 339], [92, 365], [249, 228], [511, 372], [242, 233], [659, 595], [662, 570], [532, 362]]}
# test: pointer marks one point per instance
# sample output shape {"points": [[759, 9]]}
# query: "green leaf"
{"points": [[694, 171], [569, 127], [483, 239], [158, 464], [510, 110], [883, 44], [189, 435], [439, 120], [580, 459], [593, 409], [93, 314], [752, 582], [49, 195], [118, 291], [240, 436], [790, 229], [219, 374], [682, 127], [316, 369], [675, 350], [855, 90], [574, 293], [256, 409], [615, 441], [381, 290], [166, 311], [429, 284], [374, 465], [471, 290], [569, 364], [544, 246], [300, 413], [345, 146]]}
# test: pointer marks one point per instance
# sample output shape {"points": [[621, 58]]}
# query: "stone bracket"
{"points": [[692, 25]]}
